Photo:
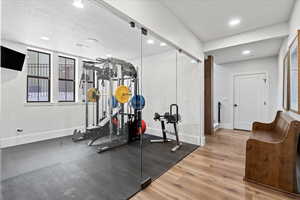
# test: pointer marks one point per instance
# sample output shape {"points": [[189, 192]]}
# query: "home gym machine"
{"points": [[108, 98], [170, 118]]}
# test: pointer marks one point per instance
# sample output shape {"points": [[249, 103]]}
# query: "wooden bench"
{"points": [[272, 154]]}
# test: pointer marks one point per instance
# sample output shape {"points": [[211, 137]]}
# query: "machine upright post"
{"points": [[178, 143], [176, 134], [163, 129], [86, 101], [122, 106], [164, 133], [110, 102], [97, 99]]}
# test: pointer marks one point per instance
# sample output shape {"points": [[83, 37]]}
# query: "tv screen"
{"points": [[11, 59]]}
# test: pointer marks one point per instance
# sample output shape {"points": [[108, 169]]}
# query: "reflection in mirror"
{"points": [[286, 84], [294, 77], [63, 109], [189, 97], [99, 108], [169, 82]]}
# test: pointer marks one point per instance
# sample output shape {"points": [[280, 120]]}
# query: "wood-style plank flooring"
{"points": [[213, 172]]}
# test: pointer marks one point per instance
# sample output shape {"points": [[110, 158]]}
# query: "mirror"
{"points": [[294, 75]]}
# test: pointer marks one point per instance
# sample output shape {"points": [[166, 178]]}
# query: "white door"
{"points": [[250, 102]]}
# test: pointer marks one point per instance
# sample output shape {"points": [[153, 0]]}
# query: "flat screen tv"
{"points": [[12, 59]]}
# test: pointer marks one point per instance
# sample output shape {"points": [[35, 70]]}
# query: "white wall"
{"points": [[294, 25], [54, 119], [38, 120], [223, 86], [159, 89], [280, 59], [42, 121], [156, 17], [294, 21], [265, 33]]}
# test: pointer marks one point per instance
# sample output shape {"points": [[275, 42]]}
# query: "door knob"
{"points": [[235, 105]]}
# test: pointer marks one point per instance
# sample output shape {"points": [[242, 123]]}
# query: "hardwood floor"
{"points": [[213, 172]]}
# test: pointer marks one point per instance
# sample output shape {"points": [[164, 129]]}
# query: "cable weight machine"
{"points": [[114, 80]]}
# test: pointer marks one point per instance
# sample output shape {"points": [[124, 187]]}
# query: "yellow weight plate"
{"points": [[92, 95], [123, 94]]}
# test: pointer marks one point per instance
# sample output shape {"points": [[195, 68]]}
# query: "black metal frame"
{"points": [[68, 80], [219, 112], [40, 77]]}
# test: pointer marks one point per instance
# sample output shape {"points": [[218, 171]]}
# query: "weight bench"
{"points": [[171, 119]]}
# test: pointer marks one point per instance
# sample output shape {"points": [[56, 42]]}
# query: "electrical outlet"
{"points": [[19, 131]]}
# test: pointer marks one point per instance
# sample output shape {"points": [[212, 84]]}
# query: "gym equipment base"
{"points": [[111, 145], [160, 141], [62, 169], [175, 148]]}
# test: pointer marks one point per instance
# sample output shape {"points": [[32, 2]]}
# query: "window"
{"points": [[38, 76], [66, 79]]}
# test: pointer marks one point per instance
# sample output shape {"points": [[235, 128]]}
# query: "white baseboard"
{"points": [[47, 135], [203, 141], [182, 136], [226, 125], [35, 137]]}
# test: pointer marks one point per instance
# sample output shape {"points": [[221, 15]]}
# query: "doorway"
{"points": [[249, 100]]}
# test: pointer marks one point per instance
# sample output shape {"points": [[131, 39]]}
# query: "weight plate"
{"points": [[123, 94], [92, 95], [137, 102]]}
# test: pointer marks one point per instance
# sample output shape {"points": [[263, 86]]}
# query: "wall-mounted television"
{"points": [[12, 59]]}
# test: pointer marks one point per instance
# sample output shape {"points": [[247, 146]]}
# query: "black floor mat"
{"points": [[60, 169]]}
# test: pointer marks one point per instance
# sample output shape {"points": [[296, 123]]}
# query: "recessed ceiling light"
{"points": [[162, 44], [193, 61], [44, 38], [82, 45], [150, 41], [92, 40], [246, 52], [78, 3], [234, 22], [108, 55]]}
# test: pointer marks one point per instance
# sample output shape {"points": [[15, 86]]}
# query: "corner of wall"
{"points": [[294, 22]]}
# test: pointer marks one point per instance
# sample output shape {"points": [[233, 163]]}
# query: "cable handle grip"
{"points": [[171, 110]]}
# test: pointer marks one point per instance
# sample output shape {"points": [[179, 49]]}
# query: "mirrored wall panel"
{"points": [[100, 106], [170, 80], [71, 129], [294, 75]]}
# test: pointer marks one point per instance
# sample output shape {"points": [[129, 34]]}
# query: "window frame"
{"points": [[39, 77], [67, 80]]}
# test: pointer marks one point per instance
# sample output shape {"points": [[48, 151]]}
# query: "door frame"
{"points": [[266, 92], [208, 96]]}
